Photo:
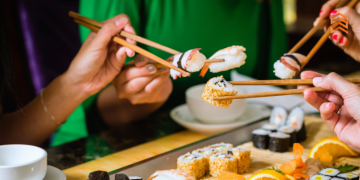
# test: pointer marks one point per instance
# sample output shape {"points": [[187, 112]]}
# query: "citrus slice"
{"points": [[267, 175], [230, 176], [328, 149], [288, 177]]}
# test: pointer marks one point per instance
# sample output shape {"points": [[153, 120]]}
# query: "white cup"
{"points": [[22, 162], [211, 114]]}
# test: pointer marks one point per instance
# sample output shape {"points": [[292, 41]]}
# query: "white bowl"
{"points": [[211, 114], [22, 162]]}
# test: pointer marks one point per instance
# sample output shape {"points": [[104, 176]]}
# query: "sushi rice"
{"points": [[329, 172], [172, 174], [242, 156], [278, 116], [221, 147], [216, 87], [191, 61], [270, 127], [220, 163], [296, 120], [289, 65], [194, 164], [348, 176], [319, 177], [234, 57]]}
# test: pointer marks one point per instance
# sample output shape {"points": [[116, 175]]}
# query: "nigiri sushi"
{"points": [[234, 57], [172, 174], [216, 87], [288, 65], [192, 60]]}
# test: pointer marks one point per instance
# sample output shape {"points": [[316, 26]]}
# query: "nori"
{"points": [[99, 175], [279, 144], [121, 177], [260, 141], [301, 134]]}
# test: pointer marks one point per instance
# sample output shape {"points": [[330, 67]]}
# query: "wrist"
{"points": [[68, 88]]}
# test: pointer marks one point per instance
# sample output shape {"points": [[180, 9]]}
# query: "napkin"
{"points": [[288, 102]]}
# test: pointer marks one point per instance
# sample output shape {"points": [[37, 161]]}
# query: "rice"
{"points": [[281, 71], [234, 56], [216, 87]]}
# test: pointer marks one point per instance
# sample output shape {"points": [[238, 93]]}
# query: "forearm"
{"points": [[115, 111], [32, 125]]}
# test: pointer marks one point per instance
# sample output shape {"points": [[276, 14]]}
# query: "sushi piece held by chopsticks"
{"points": [[288, 65], [216, 87], [191, 61]]}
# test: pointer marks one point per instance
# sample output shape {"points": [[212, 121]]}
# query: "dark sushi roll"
{"points": [[270, 127], [329, 172], [290, 131], [319, 177], [260, 138], [278, 116], [121, 177], [296, 120], [348, 176], [99, 175], [135, 178], [336, 178], [279, 142]]}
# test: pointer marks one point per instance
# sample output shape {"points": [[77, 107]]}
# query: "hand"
{"points": [[100, 59], [143, 83], [340, 107], [350, 42]]}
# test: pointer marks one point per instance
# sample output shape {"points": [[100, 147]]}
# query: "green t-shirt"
{"points": [[211, 25]]}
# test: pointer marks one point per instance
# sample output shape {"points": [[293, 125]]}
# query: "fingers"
{"points": [[141, 60], [130, 29], [316, 99], [325, 11], [308, 75], [137, 72], [329, 114]]}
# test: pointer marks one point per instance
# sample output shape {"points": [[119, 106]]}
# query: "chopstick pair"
{"points": [[96, 26], [277, 93]]}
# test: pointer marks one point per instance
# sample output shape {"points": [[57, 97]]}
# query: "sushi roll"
{"points": [[234, 57], [216, 87], [191, 61], [135, 178], [194, 164], [220, 163], [206, 152], [329, 172], [278, 116], [270, 127], [348, 176], [319, 177], [221, 147], [260, 138], [296, 120], [172, 174], [336, 178], [242, 156], [289, 65], [99, 175], [279, 142], [290, 131]]}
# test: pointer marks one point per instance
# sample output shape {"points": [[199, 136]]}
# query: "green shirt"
{"points": [[211, 25]]}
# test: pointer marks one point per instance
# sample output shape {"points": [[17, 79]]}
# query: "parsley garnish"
{"points": [[347, 167], [275, 169]]}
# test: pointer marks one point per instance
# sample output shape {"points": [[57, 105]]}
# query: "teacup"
{"points": [[211, 114], [22, 162]]}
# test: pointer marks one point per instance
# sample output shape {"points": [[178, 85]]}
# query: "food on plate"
{"points": [[134, 178], [221, 147], [190, 61], [242, 156], [314, 166], [230, 176], [99, 175], [328, 149], [296, 120], [260, 138], [301, 176], [267, 175], [216, 87], [270, 127], [348, 176], [194, 164], [290, 131], [296, 165], [220, 163], [206, 152], [288, 177], [172, 174], [319, 177], [288, 65], [234, 57], [278, 116], [329, 172], [279, 142], [336, 178], [121, 177]]}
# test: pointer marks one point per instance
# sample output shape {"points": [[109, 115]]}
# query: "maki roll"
{"points": [[99, 175], [270, 127], [216, 87], [278, 116], [194, 164], [135, 178], [221, 147], [173, 174], [329, 172], [348, 176], [319, 177], [288, 65], [222, 162], [290, 131], [336, 178], [191, 61], [279, 142], [260, 138], [121, 177], [206, 152], [296, 120], [242, 156]]}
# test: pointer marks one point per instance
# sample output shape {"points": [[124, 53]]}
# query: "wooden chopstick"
{"points": [[124, 33], [284, 82], [135, 48], [157, 65], [315, 28], [323, 39]]}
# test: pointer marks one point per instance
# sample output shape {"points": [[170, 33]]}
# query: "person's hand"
{"points": [[100, 59], [340, 107], [350, 42], [143, 83]]}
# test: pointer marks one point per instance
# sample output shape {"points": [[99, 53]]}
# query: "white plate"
{"points": [[182, 115], [54, 173]]}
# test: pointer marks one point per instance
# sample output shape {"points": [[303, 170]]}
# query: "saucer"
{"points": [[182, 115], [54, 173]]}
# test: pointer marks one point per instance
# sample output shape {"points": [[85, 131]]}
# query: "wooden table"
{"points": [[317, 130]]}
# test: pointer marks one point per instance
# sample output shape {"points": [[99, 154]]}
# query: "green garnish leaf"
{"points": [[275, 169], [347, 167]]}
